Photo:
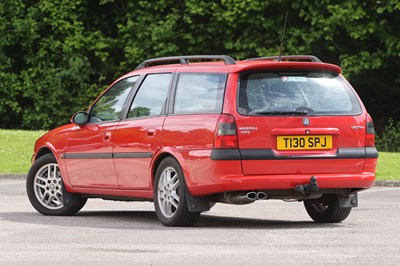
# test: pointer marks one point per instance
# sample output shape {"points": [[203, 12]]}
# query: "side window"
{"points": [[151, 97], [109, 106], [199, 93]]}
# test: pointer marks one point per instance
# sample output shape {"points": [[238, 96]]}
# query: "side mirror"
{"points": [[80, 118]]}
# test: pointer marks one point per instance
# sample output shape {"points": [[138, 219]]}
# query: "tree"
{"points": [[53, 62], [56, 56]]}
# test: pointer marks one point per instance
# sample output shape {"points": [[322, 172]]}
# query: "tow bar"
{"points": [[307, 188]]}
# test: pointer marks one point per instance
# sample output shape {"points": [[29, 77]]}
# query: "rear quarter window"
{"points": [[199, 93], [323, 93]]}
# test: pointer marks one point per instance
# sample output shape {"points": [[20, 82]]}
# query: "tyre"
{"points": [[170, 192], [326, 209], [44, 187]]}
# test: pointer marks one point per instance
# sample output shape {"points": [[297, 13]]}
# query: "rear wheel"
{"points": [[326, 209], [170, 195], [44, 187]]}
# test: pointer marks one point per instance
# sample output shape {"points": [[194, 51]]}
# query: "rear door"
{"points": [[299, 123], [138, 137]]}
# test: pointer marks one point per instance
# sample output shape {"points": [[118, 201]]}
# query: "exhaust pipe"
{"points": [[261, 196], [237, 198], [252, 196], [256, 195], [242, 198]]}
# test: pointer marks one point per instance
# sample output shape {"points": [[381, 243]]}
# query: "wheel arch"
{"points": [[169, 152], [43, 151], [50, 150]]}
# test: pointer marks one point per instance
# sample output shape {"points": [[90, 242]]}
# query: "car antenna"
{"points": [[282, 37]]}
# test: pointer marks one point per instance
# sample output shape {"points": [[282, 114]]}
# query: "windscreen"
{"points": [[267, 93]]}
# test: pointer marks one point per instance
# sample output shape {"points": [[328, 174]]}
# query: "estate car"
{"points": [[187, 132]]}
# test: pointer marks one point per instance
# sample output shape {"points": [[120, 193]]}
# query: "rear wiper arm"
{"points": [[303, 112]]}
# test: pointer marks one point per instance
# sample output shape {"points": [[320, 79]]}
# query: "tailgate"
{"points": [[284, 145], [299, 122]]}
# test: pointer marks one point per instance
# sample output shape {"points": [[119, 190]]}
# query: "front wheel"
{"points": [[170, 195], [326, 209], [44, 187]]}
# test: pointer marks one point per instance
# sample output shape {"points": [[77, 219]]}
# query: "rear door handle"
{"points": [[151, 132], [107, 136]]}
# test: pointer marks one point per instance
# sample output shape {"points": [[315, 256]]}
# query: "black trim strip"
{"points": [[86, 156], [225, 154], [268, 154], [371, 152], [133, 155], [106, 155]]}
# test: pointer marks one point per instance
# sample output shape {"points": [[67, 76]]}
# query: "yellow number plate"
{"points": [[320, 142]]}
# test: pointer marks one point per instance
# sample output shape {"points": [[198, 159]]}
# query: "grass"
{"points": [[388, 166], [16, 148]]}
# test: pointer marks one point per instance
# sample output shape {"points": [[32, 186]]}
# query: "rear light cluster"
{"points": [[370, 134], [225, 133]]}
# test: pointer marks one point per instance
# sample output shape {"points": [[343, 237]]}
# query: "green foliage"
{"points": [[56, 56], [51, 62], [389, 140]]}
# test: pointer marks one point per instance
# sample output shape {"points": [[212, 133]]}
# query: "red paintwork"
{"points": [[270, 127], [189, 138], [136, 135], [271, 182], [92, 138]]}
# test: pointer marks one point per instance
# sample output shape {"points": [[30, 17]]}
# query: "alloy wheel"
{"points": [[48, 186], [168, 192]]}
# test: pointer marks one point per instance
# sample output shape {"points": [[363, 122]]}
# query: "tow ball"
{"points": [[307, 188]]}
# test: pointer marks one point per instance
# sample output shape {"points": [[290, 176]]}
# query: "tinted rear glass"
{"points": [[282, 93], [199, 93]]}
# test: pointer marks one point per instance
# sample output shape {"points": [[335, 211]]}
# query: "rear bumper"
{"points": [[207, 175], [223, 184], [269, 154]]}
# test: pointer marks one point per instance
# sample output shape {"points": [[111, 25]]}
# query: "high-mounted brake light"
{"points": [[225, 133], [370, 133]]}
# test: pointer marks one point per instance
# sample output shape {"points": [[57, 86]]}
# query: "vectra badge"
{"points": [[306, 122]]}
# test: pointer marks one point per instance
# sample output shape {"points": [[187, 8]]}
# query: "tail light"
{"points": [[370, 133], [225, 133]]}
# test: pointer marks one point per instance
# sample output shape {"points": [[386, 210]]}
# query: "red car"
{"points": [[189, 131]]}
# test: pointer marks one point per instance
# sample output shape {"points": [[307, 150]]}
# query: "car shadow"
{"points": [[210, 221], [139, 220]]}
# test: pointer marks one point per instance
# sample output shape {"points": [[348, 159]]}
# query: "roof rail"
{"points": [[185, 60], [307, 58]]}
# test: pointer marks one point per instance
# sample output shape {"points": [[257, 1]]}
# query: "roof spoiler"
{"points": [[290, 58]]}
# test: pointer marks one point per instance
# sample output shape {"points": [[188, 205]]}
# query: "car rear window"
{"points": [[275, 93]]}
